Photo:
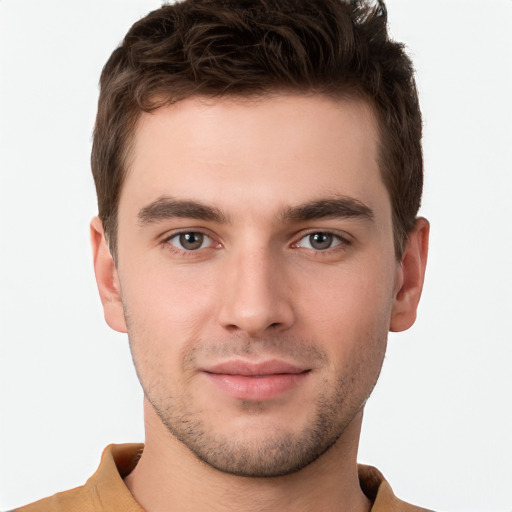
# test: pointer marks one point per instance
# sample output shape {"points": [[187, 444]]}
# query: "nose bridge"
{"points": [[254, 296]]}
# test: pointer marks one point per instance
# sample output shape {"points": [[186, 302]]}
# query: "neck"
{"points": [[170, 477]]}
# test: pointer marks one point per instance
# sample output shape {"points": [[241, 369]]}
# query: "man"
{"points": [[258, 169]]}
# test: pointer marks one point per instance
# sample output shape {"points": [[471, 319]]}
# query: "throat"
{"points": [[170, 477]]}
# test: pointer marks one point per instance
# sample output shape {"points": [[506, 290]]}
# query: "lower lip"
{"points": [[257, 388]]}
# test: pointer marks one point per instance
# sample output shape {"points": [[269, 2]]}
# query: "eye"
{"points": [[190, 241], [319, 241]]}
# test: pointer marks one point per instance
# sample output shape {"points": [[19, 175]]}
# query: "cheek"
{"points": [[349, 301], [167, 301], [350, 317], [164, 314]]}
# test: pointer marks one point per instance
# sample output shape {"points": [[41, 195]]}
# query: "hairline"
{"points": [[346, 93]]}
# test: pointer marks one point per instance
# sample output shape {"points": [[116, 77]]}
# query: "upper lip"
{"points": [[251, 369]]}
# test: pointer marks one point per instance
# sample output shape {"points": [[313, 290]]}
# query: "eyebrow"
{"points": [[167, 208], [341, 207]]}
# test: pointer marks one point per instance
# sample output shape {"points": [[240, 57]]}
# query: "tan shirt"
{"points": [[105, 491]]}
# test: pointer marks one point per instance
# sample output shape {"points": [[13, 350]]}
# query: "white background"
{"points": [[439, 424]]}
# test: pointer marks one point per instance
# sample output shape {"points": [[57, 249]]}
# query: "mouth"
{"points": [[262, 381]]}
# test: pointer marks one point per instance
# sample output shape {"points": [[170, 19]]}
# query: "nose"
{"points": [[255, 294]]}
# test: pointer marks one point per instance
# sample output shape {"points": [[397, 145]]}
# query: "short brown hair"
{"points": [[255, 47]]}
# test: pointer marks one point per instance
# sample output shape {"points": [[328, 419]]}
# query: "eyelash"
{"points": [[340, 242], [167, 242]]}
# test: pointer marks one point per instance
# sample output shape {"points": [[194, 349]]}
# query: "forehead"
{"points": [[273, 151]]}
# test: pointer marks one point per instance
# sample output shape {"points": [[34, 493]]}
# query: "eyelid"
{"points": [[344, 239], [166, 240]]}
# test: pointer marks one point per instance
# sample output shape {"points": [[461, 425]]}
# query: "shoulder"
{"points": [[376, 487], [104, 491], [74, 500]]}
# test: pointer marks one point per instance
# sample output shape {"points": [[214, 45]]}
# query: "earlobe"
{"points": [[410, 277], [107, 278]]}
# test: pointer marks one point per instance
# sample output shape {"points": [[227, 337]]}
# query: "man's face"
{"points": [[257, 274]]}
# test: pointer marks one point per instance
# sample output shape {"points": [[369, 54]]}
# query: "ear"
{"points": [[107, 278], [411, 273]]}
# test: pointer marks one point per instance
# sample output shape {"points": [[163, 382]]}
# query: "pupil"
{"points": [[320, 240], [191, 241]]}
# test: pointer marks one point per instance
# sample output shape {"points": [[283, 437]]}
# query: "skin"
{"points": [[250, 183]]}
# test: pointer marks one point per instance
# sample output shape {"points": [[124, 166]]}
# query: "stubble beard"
{"points": [[278, 453]]}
